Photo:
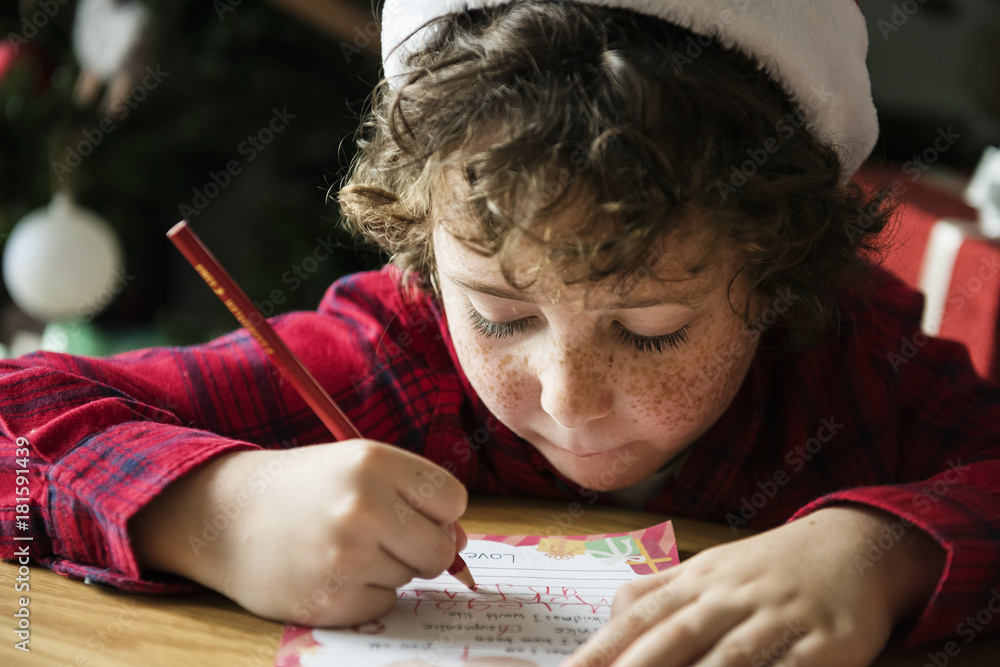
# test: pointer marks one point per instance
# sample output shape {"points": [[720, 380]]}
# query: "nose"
{"points": [[576, 387]]}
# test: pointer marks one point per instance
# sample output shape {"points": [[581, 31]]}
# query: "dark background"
{"points": [[934, 64]]}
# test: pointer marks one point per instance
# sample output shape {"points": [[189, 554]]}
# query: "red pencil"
{"points": [[240, 305]]}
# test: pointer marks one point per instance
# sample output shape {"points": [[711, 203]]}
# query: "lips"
{"points": [[579, 452], [574, 448]]}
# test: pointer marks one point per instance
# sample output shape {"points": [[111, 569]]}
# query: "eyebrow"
{"points": [[622, 303]]}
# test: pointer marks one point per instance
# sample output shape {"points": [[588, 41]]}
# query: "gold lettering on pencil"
{"points": [[248, 325], [206, 276], [210, 279]]}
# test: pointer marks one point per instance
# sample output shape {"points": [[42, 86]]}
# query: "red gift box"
{"points": [[938, 249]]}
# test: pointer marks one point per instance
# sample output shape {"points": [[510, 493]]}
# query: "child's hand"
{"points": [[801, 594], [320, 535]]}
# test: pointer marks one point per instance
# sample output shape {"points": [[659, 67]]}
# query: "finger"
{"points": [[819, 648], [417, 541], [431, 490], [760, 641], [625, 627], [628, 594], [365, 604], [796, 657], [391, 573], [461, 539], [373, 602], [683, 637]]}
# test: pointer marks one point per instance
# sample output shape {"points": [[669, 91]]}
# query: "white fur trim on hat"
{"points": [[815, 48]]}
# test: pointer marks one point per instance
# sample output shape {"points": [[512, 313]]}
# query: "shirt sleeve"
{"points": [[94, 440], [948, 468]]}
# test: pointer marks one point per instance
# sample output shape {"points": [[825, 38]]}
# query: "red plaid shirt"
{"points": [[878, 414]]}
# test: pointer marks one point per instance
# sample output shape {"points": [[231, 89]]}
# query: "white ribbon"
{"points": [[615, 555]]}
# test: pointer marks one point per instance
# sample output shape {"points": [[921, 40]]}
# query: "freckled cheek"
{"points": [[656, 392], [500, 378], [694, 384]]}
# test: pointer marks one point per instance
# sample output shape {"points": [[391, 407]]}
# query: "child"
{"points": [[628, 266]]}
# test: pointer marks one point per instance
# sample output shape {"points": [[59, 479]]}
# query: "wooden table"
{"points": [[92, 626]]}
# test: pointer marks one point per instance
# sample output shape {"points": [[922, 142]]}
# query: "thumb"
{"points": [[456, 531]]}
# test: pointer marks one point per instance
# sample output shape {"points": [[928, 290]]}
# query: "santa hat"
{"points": [[815, 49]]}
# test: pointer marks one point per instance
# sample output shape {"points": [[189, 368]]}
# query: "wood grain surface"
{"points": [[80, 625]]}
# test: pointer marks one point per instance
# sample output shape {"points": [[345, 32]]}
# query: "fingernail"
{"points": [[450, 529]]}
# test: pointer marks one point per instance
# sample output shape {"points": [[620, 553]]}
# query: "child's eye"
{"points": [[650, 343], [490, 329]]}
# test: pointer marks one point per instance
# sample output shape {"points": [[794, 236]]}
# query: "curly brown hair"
{"points": [[543, 105]]}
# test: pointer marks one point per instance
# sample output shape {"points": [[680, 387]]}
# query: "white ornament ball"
{"points": [[62, 262], [105, 33]]}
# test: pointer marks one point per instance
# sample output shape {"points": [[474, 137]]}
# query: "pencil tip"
{"points": [[465, 577]]}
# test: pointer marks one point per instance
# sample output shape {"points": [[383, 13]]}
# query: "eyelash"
{"points": [[489, 329]]}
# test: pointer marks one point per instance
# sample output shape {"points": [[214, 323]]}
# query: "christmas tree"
{"points": [[234, 115]]}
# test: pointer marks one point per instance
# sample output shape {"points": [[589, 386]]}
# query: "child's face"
{"points": [[607, 387]]}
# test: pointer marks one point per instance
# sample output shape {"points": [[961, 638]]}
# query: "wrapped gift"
{"points": [[560, 548], [940, 248], [621, 549]]}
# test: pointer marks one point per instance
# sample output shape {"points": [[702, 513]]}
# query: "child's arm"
{"points": [[105, 436], [946, 465], [98, 449], [331, 533]]}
